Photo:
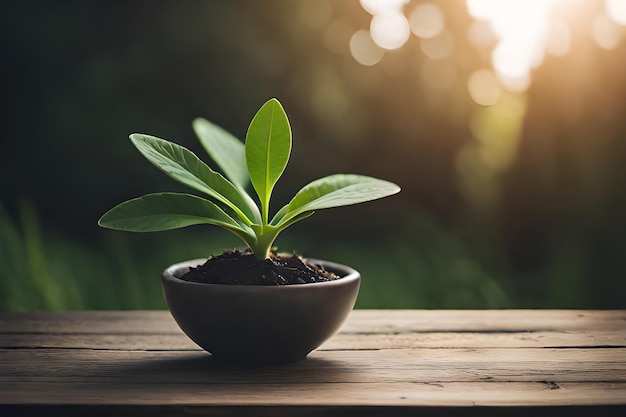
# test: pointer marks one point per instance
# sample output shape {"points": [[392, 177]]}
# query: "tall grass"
{"points": [[40, 270], [44, 271], [419, 265], [425, 266]]}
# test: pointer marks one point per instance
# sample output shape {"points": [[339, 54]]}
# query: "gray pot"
{"points": [[260, 324]]}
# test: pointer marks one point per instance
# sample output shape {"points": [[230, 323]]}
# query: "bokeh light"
{"points": [[559, 38], [439, 47], [390, 30], [376, 7], [498, 130], [426, 21], [389, 27], [605, 32], [480, 34], [483, 87], [521, 27], [616, 9], [364, 50], [518, 33]]}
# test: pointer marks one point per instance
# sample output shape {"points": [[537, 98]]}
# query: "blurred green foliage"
{"points": [[546, 230], [422, 265], [44, 271]]}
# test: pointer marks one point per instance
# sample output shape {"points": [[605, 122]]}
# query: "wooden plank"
{"points": [[89, 322], [359, 321], [342, 341], [309, 411], [144, 342], [371, 366], [460, 340], [402, 321], [391, 360], [454, 394]]}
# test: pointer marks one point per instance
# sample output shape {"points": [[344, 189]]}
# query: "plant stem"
{"points": [[266, 235]]}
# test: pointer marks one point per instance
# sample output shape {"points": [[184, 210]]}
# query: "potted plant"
{"points": [[255, 305]]}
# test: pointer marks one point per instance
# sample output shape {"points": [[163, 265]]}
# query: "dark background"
{"points": [[547, 229]]}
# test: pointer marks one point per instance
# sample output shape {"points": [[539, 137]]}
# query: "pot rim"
{"points": [[347, 273]]}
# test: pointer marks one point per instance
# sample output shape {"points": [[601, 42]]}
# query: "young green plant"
{"points": [[261, 161]]}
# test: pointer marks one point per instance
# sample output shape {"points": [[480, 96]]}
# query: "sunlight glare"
{"points": [[522, 27], [616, 9], [482, 9], [498, 130], [558, 42], [513, 63], [480, 34], [605, 32]]}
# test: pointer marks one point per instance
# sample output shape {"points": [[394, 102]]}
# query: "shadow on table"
{"points": [[201, 367]]}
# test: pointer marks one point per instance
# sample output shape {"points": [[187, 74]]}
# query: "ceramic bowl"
{"points": [[260, 324]]}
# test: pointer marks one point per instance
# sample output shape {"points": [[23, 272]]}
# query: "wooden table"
{"points": [[383, 362]]}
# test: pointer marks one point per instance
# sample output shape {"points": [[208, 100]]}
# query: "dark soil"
{"points": [[242, 268]]}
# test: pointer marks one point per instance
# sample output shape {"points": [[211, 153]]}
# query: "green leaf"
{"points": [[294, 219], [226, 150], [185, 167], [165, 211], [335, 191], [267, 149]]}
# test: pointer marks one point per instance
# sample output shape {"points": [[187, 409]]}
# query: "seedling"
{"points": [[261, 161]]}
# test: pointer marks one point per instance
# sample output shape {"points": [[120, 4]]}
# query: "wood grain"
{"points": [[381, 366], [360, 321], [396, 361], [342, 341]]}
